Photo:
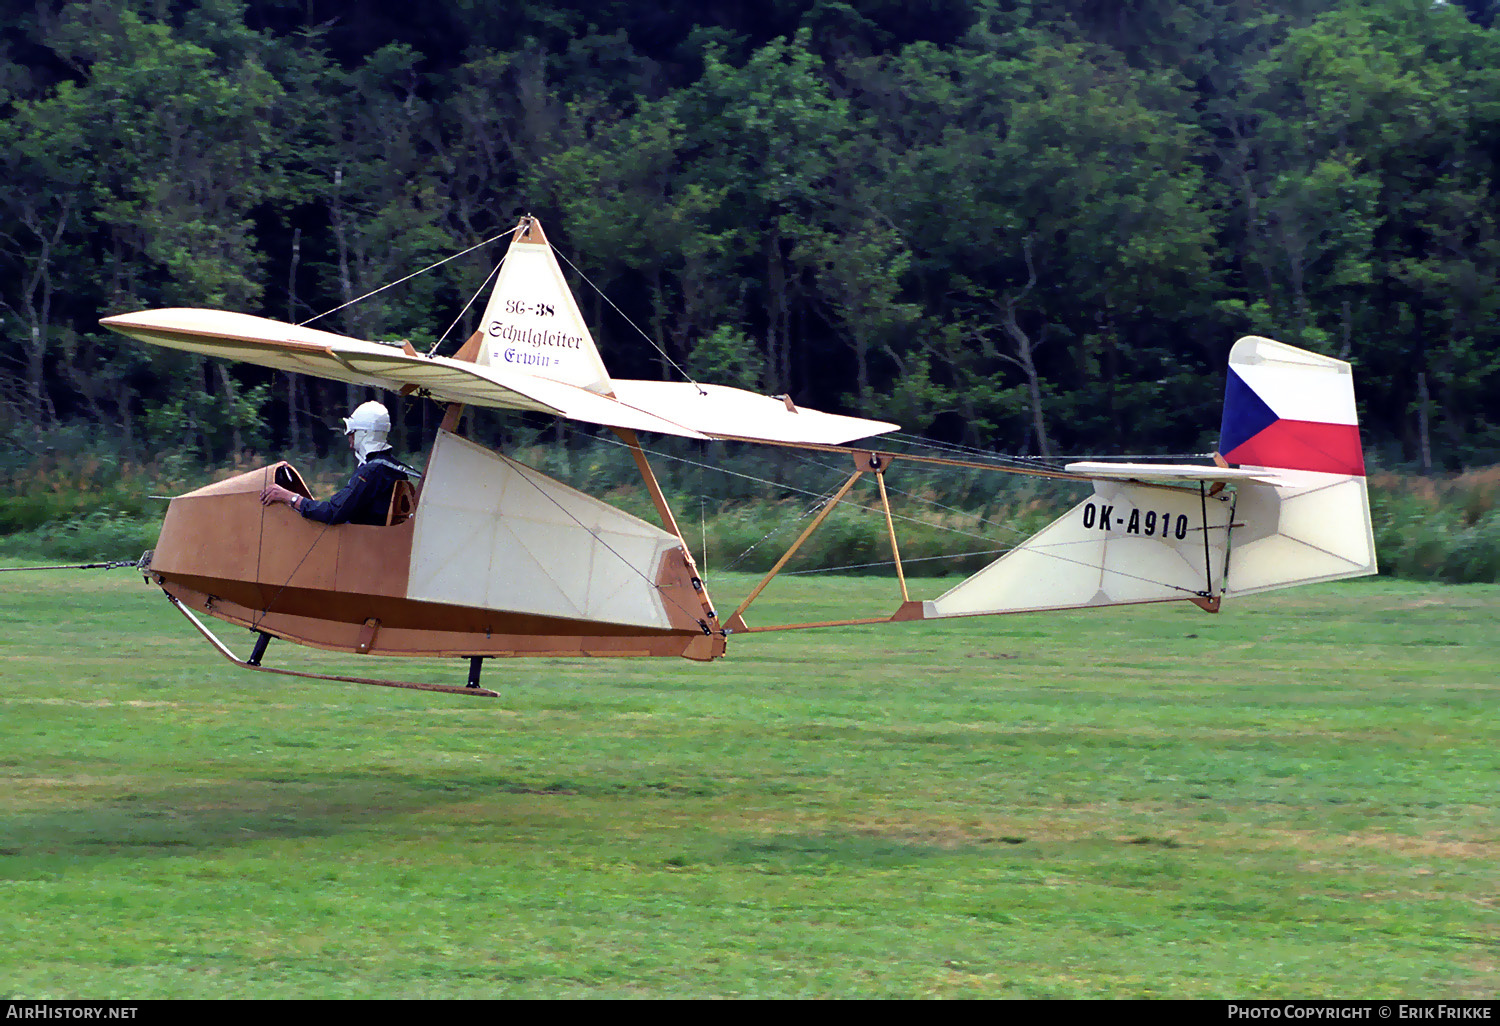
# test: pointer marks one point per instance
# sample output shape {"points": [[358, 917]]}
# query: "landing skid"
{"points": [[253, 663]]}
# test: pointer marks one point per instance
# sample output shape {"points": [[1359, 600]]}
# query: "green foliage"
{"points": [[100, 536], [47, 493], [742, 505], [726, 357], [1444, 530], [193, 418], [1032, 227]]}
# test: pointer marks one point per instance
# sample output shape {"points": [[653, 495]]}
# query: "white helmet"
{"points": [[369, 424], [368, 417]]}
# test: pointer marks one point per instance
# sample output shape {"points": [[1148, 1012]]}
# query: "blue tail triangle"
{"points": [[1245, 414]]}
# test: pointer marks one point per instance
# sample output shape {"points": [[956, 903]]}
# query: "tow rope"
{"points": [[76, 566]]}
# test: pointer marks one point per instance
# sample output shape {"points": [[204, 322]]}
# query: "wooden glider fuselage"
{"points": [[468, 574]]}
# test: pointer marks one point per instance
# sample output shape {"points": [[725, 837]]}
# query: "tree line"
{"points": [[1029, 225]]}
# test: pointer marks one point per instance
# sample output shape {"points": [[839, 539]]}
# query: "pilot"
{"points": [[366, 499]]}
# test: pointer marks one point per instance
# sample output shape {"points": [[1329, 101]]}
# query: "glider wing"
{"points": [[733, 413], [674, 408], [288, 347], [535, 353]]}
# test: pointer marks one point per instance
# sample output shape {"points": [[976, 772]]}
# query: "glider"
{"points": [[490, 558]]}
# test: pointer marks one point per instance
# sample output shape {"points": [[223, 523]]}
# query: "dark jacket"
{"points": [[366, 498]]}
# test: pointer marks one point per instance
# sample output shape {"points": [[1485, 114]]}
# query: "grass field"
{"points": [[1295, 798]]}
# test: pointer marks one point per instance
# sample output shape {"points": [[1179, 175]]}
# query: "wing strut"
{"points": [[789, 553], [890, 526], [876, 463]]}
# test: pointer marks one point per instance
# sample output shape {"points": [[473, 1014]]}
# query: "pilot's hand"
{"points": [[274, 493]]}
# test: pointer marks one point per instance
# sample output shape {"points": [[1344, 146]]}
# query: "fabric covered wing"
{"points": [[287, 347], [665, 407], [249, 339], [733, 413], [460, 382]]}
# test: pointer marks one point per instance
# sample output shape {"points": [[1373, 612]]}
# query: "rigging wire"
{"points": [[931, 502], [1045, 550], [892, 562], [820, 496], [904, 437], [1000, 460], [989, 454], [703, 516], [955, 449], [393, 284], [818, 503], [255, 624], [483, 285], [637, 327]]}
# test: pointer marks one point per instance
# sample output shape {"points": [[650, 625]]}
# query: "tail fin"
{"points": [[1299, 513], [532, 323], [1290, 409], [1292, 412]]}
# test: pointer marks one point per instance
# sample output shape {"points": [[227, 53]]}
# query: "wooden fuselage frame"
{"points": [[345, 587]]}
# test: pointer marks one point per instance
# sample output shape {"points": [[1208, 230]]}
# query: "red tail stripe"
{"points": [[1303, 445]]}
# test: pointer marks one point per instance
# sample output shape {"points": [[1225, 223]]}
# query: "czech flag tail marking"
{"points": [[1292, 412], [1289, 409]]}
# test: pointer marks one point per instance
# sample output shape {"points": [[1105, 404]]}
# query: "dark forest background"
{"points": [[1034, 226]]}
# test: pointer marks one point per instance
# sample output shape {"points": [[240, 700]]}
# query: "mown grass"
{"points": [[1295, 798]]}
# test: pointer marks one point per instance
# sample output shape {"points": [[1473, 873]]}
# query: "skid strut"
{"points": [[264, 639]]}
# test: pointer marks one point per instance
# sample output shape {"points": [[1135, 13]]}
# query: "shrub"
{"points": [[96, 537], [1438, 529], [79, 500]]}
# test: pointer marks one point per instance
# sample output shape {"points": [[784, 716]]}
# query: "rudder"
{"points": [[1292, 412]]}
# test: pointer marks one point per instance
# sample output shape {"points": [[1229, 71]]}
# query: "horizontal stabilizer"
{"points": [[1167, 473]]}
